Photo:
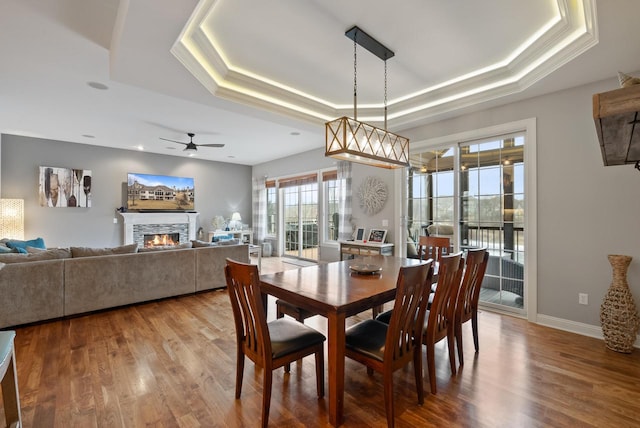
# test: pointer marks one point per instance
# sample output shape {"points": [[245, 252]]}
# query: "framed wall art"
{"points": [[64, 187]]}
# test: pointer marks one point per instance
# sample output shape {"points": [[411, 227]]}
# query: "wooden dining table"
{"points": [[336, 292]]}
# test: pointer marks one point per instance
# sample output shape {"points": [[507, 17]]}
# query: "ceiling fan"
{"points": [[191, 146]]}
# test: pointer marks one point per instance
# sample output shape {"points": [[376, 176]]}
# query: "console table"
{"points": [[244, 236], [356, 248]]}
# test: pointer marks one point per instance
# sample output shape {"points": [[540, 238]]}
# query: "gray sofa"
{"points": [[41, 290]]}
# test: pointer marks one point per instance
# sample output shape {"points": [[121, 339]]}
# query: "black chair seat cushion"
{"points": [[288, 336], [385, 317], [368, 337]]}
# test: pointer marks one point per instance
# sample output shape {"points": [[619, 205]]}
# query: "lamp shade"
{"points": [[236, 216], [12, 218]]}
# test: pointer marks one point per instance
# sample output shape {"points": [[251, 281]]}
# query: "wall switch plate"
{"points": [[385, 223], [583, 298], [115, 220]]}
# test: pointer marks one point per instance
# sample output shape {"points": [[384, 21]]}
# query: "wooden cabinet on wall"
{"points": [[617, 118]]}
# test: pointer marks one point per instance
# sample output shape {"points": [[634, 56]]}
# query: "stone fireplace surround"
{"points": [[136, 225]]}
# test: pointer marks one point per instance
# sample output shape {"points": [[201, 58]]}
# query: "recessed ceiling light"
{"points": [[231, 157], [141, 147], [98, 85], [295, 133], [170, 148], [88, 136]]}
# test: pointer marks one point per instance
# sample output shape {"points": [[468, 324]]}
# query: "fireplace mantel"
{"points": [[131, 219]]}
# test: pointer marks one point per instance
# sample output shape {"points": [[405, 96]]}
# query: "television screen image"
{"points": [[160, 192]]}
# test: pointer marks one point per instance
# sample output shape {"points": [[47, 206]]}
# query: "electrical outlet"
{"points": [[583, 298], [115, 220], [385, 223]]}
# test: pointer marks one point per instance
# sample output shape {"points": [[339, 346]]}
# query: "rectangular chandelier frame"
{"points": [[355, 141]]}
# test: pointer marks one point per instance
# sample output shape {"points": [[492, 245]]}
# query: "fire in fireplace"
{"points": [[161, 240]]}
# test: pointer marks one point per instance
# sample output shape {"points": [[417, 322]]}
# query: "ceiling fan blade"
{"points": [[210, 145], [173, 141]]}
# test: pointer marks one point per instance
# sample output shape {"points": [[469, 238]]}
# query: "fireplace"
{"points": [[137, 225], [161, 239]]}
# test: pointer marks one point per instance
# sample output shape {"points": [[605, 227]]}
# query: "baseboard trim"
{"points": [[575, 327]]}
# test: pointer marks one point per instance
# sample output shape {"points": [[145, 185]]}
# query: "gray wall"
{"points": [[221, 188], [585, 210]]}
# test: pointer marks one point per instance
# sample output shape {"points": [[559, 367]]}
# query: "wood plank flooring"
{"points": [[172, 364]]}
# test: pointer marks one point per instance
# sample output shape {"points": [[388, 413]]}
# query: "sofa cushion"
{"points": [[440, 229], [52, 254], [412, 252], [21, 246], [58, 253], [90, 252], [5, 249], [165, 247]]}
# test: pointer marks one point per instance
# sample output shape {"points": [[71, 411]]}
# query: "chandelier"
{"points": [[352, 140]]}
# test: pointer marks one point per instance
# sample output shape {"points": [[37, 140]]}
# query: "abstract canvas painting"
{"points": [[64, 187]]}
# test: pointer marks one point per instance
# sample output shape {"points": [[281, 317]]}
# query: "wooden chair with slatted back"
{"points": [[269, 345], [440, 318], [467, 305], [433, 247], [386, 348], [9, 377]]}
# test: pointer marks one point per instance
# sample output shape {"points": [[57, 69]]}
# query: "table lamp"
{"points": [[236, 218]]}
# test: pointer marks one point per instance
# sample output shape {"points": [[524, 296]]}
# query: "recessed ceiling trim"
{"points": [[572, 32]]}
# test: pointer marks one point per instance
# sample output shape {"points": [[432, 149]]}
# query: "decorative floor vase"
{"points": [[618, 314]]}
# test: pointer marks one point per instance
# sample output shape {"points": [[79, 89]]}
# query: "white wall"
{"points": [[221, 188], [585, 210]]}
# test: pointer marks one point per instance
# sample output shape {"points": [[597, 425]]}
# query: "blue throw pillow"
{"points": [[21, 246]]}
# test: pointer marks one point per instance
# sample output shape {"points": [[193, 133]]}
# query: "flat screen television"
{"points": [[148, 192]]}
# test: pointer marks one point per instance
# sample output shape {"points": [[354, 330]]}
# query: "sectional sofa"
{"points": [[40, 288]]}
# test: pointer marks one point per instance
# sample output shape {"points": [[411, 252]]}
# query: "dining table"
{"points": [[337, 290]]}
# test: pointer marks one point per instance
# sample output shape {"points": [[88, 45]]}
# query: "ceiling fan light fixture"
{"points": [[349, 139]]}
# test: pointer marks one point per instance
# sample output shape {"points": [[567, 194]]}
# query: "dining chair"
{"points": [[440, 318], [8, 374], [467, 301], [269, 345], [433, 247], [386, 348]]}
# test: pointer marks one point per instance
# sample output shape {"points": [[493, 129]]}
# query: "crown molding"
{"points": [[572, 33]]}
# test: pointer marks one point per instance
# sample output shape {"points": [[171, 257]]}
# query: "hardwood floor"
{"points": [[172, 364]]}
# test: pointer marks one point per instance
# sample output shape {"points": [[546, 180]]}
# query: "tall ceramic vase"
{"points": [[618, 314]]}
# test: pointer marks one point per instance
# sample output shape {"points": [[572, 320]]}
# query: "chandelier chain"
{"points": [[385, 94], [355, 79]]}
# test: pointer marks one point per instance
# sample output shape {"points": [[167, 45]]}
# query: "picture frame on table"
{"points": [[377, 236], [359, 235]]}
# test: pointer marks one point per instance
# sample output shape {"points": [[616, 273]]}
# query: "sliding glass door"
{"points": [[300, 216], [474, 194]]}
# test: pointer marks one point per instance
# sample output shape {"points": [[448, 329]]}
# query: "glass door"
{"points": [[300, 215], [473, 193]]}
